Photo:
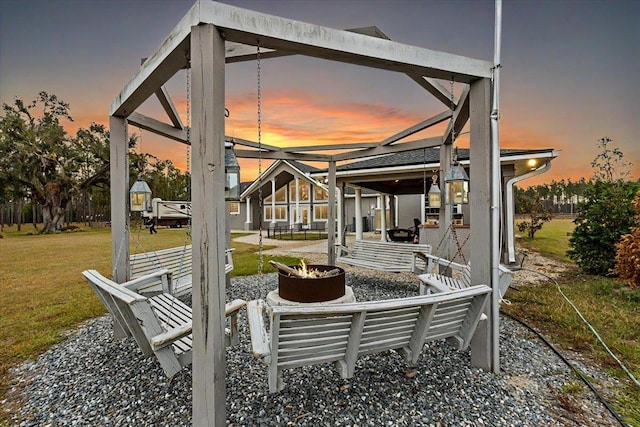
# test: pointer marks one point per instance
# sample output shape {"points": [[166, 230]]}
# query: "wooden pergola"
{"points": [[213, 34]]}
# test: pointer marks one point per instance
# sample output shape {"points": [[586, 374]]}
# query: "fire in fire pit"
{"points": [[310, 283]]}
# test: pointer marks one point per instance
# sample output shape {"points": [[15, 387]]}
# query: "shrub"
{"points": [[605, 215], [628, 254]]}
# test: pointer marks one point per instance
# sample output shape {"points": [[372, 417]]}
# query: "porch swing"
{"points": [[176, 260]]}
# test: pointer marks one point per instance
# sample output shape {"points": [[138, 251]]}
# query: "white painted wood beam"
{"points": [[387, 149], [252, 144], [433, 87], [171, 56], [331, 147], [460, 117], [273, 32], [165, 100], [439, 118], [282, 155], [156, 126]]}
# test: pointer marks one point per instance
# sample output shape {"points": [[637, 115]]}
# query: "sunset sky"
{"points": [[569, 77]]}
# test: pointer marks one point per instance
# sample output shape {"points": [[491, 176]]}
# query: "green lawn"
{"points": [[608, 304], [44, 293]]}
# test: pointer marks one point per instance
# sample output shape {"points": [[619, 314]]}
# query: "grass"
{"points": [[609, 305], [551, 240], [44, 294]]}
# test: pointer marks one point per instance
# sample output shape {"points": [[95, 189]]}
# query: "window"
{"points": [[304, 215], [320, 212], [281, 196], [319, 193], [234, 208], [281, 213], [304, 190]]}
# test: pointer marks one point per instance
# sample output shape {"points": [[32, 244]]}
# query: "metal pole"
{"points": [[495, 194]]}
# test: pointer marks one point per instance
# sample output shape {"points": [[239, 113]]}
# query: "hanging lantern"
{"points": [[435, 197], [140, 196], [456, 182], [232, 173]]}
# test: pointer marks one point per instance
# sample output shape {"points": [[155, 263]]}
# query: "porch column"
{"points": [[209, 219], [383, 218], [446, 208], [119, 167], [331, 215], [247, 223], [359, 213], [273, 201], [298, 215], [423, 203], [483, 345]]}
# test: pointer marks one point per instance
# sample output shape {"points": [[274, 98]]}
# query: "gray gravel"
{"points": [[93, 380]]}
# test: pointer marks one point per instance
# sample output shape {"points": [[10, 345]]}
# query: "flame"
{"points": [[307, 272]]}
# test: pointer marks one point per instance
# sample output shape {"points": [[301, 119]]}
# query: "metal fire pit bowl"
{"points": [[311, 290]]}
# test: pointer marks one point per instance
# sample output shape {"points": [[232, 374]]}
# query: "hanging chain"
{"points": [[260, 207], [188, 169], [453, 111]]}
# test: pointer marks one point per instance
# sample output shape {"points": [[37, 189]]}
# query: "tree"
{"points": [[39, 157], [604, 216], [609, 164], [532, 203], [606, 213]]}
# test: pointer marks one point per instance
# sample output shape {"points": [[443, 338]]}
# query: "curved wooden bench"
{"points": [[161, 325], [442, 283], [340, 333], [177, 260], [385, 256]]}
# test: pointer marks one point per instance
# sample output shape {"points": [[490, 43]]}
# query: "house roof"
{"points": [[428, 156]]}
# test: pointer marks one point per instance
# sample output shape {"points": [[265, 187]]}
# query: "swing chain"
{"points": [[260, 203]]}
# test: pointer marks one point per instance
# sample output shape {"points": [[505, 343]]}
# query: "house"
{"points": [[395, 184]]}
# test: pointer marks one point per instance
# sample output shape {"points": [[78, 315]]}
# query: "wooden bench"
{"points": [[386, 256], [442, 283], [177, 260], [161, 325], [340, 333]]}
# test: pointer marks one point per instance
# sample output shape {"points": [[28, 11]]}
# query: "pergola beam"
{"points": [[388, 149], [156, 126], [418, 127], [460, 116], [282, 155], [165, 100], [281, 34]]}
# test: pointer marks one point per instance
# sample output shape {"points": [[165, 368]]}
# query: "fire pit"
{"points": [[310, 284]]}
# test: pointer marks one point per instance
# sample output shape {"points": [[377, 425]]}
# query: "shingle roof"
{"points": [[303, 167], [421, 156]]}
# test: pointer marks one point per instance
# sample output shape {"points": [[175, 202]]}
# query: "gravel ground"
{"points": [[93, 380]]}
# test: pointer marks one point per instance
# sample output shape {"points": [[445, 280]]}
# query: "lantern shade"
{"points": [[457, 183], [232, 173], [140, 196], [435, 196]]}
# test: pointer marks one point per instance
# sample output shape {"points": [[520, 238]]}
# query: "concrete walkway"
{"points": [[297, 246]]}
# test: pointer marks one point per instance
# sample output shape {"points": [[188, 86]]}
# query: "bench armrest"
{"points": [[260, 345], [166, 338], [163, 275], [342, 250]]}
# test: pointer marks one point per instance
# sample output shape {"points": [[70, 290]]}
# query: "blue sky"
{"points": [[569, 77]]}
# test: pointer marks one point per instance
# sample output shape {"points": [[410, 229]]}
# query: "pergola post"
{"points": [[383, 218], [119, 168], [359, 235], [446, 210], [482, 344], [331, 215], [209, 216]]}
